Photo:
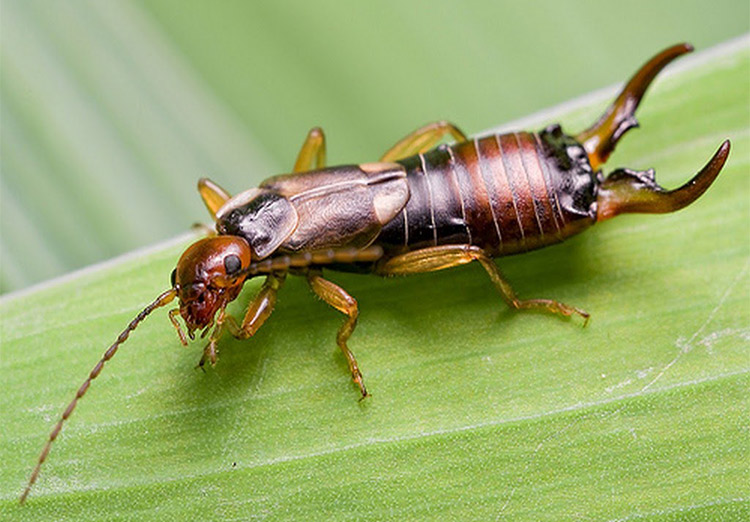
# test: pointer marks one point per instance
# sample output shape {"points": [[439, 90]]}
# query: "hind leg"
{"points": [[447, 256], [422, 140]]}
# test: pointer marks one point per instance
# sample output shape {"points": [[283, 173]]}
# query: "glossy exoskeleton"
{"points": [[418, 209]]}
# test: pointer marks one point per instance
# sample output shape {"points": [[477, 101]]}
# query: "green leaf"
{"points": [[477, 412]]}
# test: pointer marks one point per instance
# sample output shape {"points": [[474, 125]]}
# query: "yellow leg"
{"points": [[257, 313], [259, 309], [447, 256], [314, 148], [213, 195], [422, 140], [337, 297]]}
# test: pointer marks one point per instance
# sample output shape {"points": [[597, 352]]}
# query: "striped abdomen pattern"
{"points": [[504, 193]]}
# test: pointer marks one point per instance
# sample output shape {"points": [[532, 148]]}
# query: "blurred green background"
{"points": [[111, 111]]}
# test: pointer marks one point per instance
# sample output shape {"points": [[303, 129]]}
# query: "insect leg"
{"points": [[337, 297], [259, 310], [447, 256], [213, 195], [427, 260], [422, 140], [313, 148], [510, 297]]}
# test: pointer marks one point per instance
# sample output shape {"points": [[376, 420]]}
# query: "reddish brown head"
{"points": [[209, 275]]}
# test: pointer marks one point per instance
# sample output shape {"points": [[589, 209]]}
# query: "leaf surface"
{"points": [[477, 412]]}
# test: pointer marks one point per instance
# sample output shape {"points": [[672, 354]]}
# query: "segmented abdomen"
{"points": [[504, 193]]}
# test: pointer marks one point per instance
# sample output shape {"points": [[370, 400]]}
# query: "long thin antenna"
{"points": [[162, 300]]}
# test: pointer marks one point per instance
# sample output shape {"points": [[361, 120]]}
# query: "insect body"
{"points": [[418, 209]]}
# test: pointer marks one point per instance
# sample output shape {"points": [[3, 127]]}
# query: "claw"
{"points": [[629, 191], [600, 139]]}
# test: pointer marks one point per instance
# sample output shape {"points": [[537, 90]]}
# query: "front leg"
{"points": [[259, 309], [314, 148], [213, 195]]}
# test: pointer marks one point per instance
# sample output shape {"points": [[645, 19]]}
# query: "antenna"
{"points": [[160, 301]]}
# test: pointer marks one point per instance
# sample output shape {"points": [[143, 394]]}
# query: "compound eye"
{"points": [[173, 277], [232, 264]]}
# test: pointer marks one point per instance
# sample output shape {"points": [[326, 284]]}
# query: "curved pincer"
{"points": [[629, 191]]}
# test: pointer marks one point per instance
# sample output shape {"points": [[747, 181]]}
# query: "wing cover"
{"points": [[342, 206]]}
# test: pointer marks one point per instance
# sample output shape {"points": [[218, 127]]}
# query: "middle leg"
{"points": [[339, 299]]}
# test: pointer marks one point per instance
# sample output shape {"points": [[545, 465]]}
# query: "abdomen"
{"points": [[503, 193]]}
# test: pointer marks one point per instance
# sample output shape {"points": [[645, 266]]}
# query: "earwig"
{"points": [[418, 209]]}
